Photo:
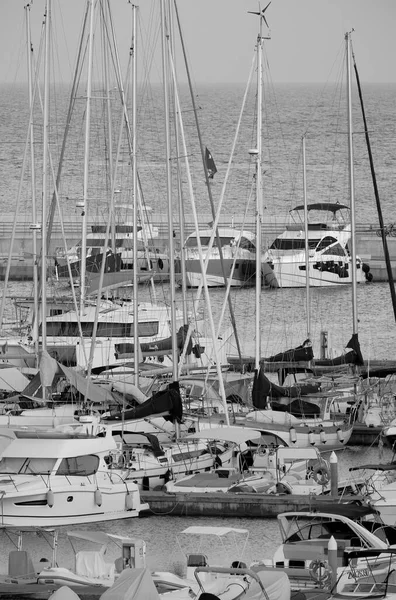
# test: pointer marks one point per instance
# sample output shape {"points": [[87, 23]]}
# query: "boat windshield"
{"points": [[321, 529], [28, 466], [299, 243], [79, 465], [336, 250], [292, 244], [224, 241]]}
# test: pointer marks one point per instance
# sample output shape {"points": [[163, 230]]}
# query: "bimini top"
{"points": [[326, 206], [100, 537]]}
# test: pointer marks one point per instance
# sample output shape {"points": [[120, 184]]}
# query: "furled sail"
{"points": [[166, 401]]}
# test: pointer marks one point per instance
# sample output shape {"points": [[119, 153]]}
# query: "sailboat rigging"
{"points": [[376, 193]]}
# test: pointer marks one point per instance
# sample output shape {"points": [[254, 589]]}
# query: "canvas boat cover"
{"points": [[64, 593], [275, 583], [132, 584]]}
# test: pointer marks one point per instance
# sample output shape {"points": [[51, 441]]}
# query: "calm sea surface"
{"points": [[295, 109]]}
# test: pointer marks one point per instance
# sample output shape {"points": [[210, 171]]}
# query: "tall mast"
{"points": [[182, 229], [307, 286], [351, 184], [45, 182], [135, 203], [210, 195], [259, 211], [259, 200], [33, 183], [164, 36], [86, 159]]}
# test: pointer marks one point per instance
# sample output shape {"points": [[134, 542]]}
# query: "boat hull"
{"points": [[292, 273], [242, 276], [325, 436], [71, 505]]}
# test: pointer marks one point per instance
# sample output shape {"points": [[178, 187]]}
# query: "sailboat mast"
{"points": [[86, 159], [33, 183], [135, 204], [210, 195], [259, 203], [45, 182], [306, 233], [164, 35], [351, 183]]}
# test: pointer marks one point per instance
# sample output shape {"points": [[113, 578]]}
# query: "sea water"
{"points": [[283, 312]]}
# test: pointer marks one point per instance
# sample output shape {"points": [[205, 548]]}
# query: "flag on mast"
{"points": [[210, 164]]}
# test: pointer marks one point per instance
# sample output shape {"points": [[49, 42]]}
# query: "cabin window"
{"points": [[79, 465], [107, 330], [270, 439], [247, 244], [336, 250], [147, 328], [292, 244], [32, 466], [110, 330], [67, 329], [326, 241], [224, 241]]}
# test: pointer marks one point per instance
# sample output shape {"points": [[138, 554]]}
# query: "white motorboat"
{"points": [[115, 566], [52, 478], [140, 458], [205, 550], [98, 559], [151, 261], [329, 255], [114, 337], [304, 552], [258, 468], [239, 258], [377, 483]]}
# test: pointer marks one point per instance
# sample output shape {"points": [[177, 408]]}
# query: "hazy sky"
{"points": [[306, 36]]}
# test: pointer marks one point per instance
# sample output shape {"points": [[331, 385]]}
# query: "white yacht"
{"points": [[329, 257], [119, 254], [239, 258], [54, 478]]}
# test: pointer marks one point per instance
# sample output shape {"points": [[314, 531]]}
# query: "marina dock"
{"points": [[231, 504]]}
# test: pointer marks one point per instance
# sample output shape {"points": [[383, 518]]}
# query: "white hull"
{"points": [[148, 473], [238, 258], [22, 509], [214, 274], [329, 259], [292, 273], [323, 435], [52, 478], [60, 576]]}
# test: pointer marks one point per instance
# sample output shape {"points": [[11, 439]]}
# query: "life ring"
{"points": [[319, 571], [321, 474]]}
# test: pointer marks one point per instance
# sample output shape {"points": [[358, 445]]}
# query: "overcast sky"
{"points": [[306, 36]]}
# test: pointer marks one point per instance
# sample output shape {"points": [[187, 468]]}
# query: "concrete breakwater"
{"points": [[368, 243]]}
